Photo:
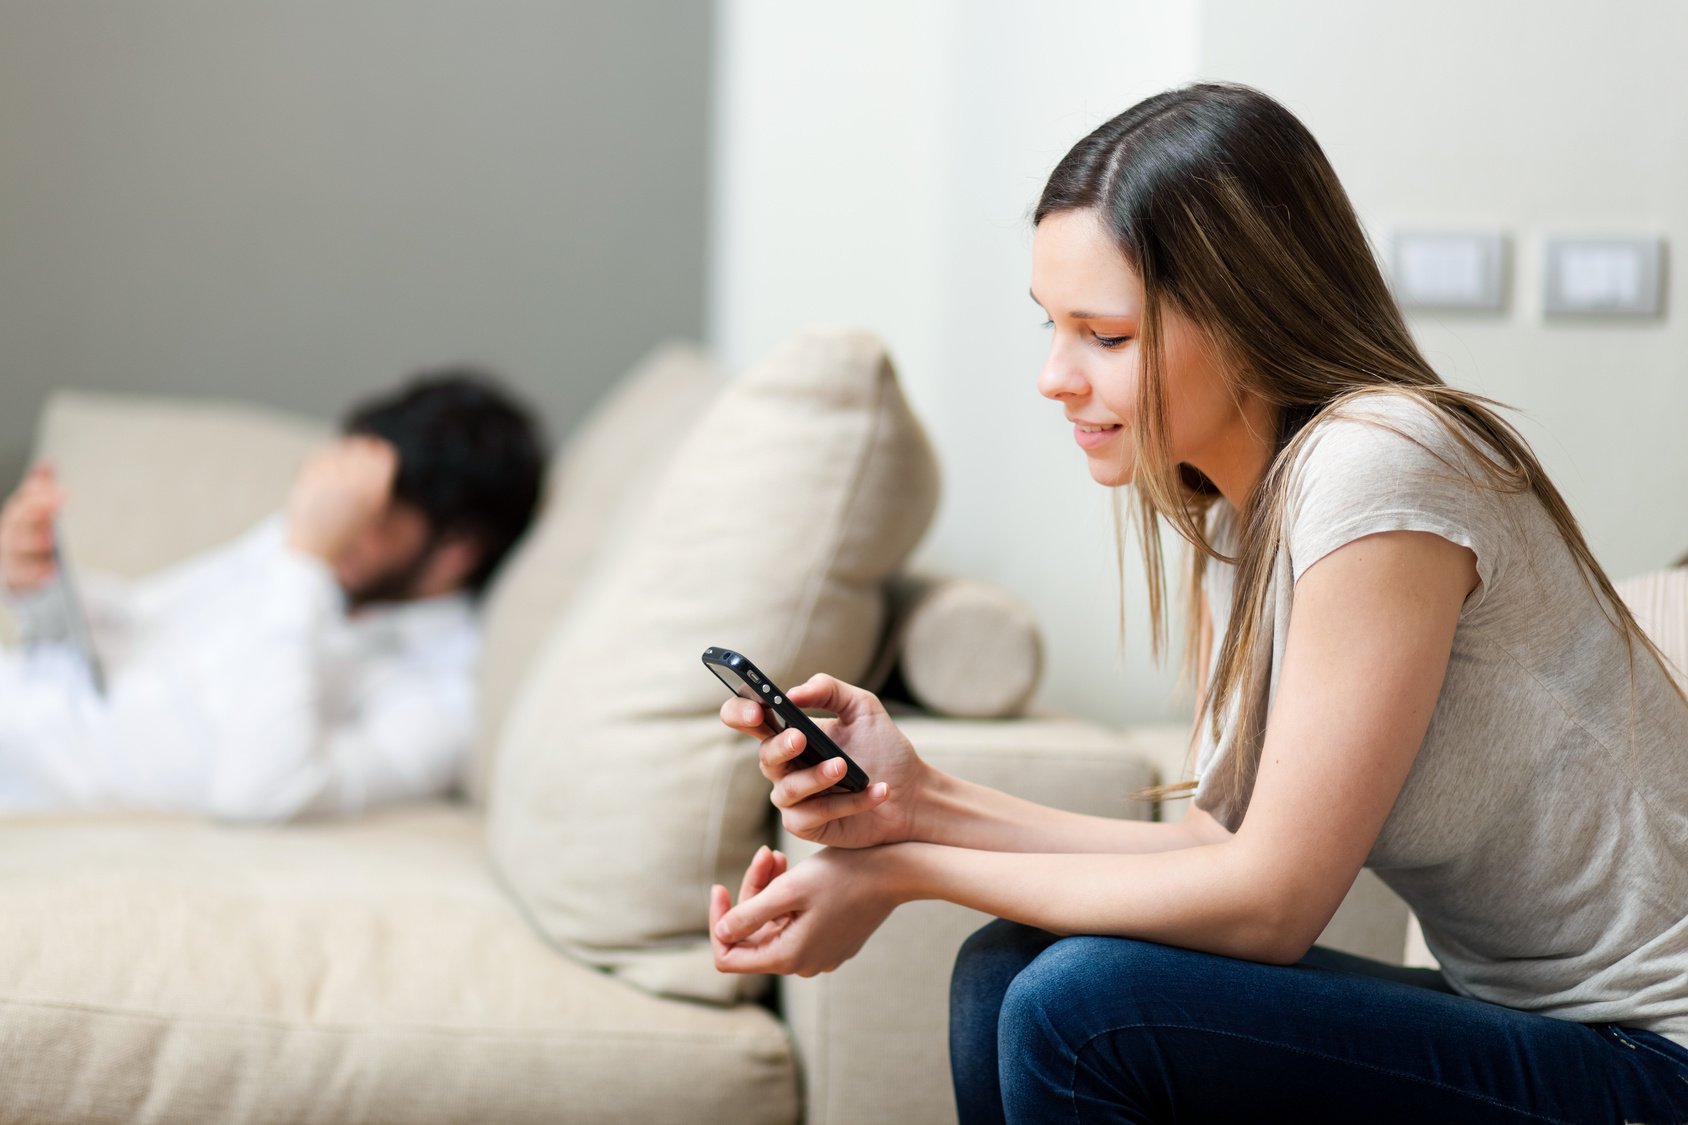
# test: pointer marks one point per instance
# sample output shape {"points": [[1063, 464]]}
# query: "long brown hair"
{"points": [[1228, 210]]}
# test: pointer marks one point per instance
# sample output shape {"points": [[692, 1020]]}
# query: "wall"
{"points": [[1549, 116], [875, 163], [298, 202]]}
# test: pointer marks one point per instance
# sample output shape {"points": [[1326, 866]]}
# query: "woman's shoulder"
{"points": [[1397, 410], [1391, 435], [1391, 461]]}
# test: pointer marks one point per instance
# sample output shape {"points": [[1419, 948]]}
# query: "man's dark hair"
{"points": [[470, 458]]}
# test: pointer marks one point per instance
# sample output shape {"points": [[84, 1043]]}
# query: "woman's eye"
{"points": [[1111, 341], [1049, 324]]}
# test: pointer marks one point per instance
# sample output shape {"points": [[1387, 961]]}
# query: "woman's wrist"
{"points": [[955, 812], [900, 871], [932, 804]]}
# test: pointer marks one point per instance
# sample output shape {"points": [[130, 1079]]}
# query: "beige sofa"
{"points": [[534, 951]]}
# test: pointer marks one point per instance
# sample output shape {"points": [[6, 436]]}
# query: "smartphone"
{"points": [[780, 714]]}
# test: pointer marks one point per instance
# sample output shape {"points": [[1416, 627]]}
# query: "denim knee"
{"points": [[1051, 999], [987, 963], [1080, 993], [991, 947], [985, 966]]}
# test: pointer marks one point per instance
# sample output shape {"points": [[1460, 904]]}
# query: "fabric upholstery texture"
{"points": [[599, 479], [618, 798], [178, 971]]}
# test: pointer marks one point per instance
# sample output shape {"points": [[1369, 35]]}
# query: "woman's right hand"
{"points": [[883, 813]]}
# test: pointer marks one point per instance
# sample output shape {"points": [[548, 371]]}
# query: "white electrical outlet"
{"points": [[1450, 270], [1603, 276]]}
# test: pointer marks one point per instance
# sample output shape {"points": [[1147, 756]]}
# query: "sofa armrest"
{"points": [[873, 1037]]}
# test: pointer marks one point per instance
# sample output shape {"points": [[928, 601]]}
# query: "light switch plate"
{"points": [[1450, 270], [1603, 276]]}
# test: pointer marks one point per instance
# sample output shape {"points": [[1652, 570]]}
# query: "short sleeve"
{"points": [[1390, 463]]}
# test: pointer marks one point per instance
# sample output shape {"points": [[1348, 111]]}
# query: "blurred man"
{"points": [[321, 664]]}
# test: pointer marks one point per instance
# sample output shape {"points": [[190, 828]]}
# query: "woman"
{"points": [[1406, 658]]}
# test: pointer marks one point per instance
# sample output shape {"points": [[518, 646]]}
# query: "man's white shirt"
{"points": [[238, 686]]}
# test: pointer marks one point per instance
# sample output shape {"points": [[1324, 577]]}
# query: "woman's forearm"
{"points": [[1206, 897], [967, 815]]}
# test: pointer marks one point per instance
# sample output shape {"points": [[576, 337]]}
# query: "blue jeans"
{"points": [[1046, 1029]]}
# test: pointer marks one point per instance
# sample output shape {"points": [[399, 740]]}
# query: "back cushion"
{"points": [[618, 798], [154, 480], [608, 468]]}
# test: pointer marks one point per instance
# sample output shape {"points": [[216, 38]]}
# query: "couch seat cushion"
{"points": [[161, 969]]}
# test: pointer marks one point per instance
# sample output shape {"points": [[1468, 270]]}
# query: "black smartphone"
{"points": [[780, 714]]}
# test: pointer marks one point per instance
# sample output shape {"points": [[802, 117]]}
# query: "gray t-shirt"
{"points": [[1542, 833]]}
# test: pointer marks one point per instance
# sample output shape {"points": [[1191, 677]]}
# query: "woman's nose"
{"points": [[1060, 377]]}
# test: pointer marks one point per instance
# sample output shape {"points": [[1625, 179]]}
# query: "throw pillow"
{"points": [[606, 470], [618, 798]]}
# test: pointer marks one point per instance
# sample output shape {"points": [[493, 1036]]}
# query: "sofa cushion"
{"points": [[617, 797], [604, 471], [157, 969], [154, 480]]}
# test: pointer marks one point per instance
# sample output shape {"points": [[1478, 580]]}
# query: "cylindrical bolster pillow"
{"points": [[964, 647]]}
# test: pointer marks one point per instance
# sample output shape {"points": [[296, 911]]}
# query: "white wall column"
{"points": [[876, 163]]}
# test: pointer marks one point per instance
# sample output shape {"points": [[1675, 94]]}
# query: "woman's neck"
{"points": [[1239, 460]]}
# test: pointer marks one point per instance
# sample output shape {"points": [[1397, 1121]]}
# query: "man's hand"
{"points": [[26, 531], [340, 490]]}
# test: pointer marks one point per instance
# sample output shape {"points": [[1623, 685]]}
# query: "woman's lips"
{"points": [[1090, 438]]}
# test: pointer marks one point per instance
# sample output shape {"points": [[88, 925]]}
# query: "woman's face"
{"points": [[1094, 301]]}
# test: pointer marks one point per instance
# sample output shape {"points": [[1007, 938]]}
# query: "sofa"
{"points": [[533, 949]]}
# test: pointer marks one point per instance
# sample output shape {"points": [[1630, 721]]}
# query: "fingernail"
{"points": [[880, 789], [835, 767], [724, 932]]}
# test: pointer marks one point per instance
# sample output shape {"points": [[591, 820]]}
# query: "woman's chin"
{"points": [[1110, 472]]}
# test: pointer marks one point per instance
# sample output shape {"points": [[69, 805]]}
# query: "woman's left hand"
{"points": [[806, 920]]}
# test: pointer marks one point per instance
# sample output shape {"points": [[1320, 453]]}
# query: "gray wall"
{"points": [[298, 201]]}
